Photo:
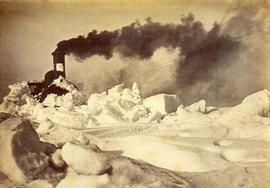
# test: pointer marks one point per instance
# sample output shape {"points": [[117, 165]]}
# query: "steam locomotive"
{"points": [[40, 89]]}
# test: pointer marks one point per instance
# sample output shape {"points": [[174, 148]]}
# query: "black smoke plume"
{"points": [[142, 40], [206, 63]]}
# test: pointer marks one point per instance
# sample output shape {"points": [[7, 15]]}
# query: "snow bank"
{"points": [[195, 115], [118, 104], [256, 104], [163, 154], [192, 138], [253, 106], [121, 104]]}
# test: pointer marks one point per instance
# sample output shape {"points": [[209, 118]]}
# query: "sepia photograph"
{"points": [[134, 93]]}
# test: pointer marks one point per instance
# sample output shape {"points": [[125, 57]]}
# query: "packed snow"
{"points": [[73, 97], [119, 139]]}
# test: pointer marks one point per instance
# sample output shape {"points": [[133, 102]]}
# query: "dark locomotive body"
{"points": [[40, 89]]}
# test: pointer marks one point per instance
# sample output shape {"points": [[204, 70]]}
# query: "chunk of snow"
{"points": [[137, 112], [163, 103], [68, 100], [28, 109], [119, 104], [56, 159], [15, 98], [84, 160], [44, 127], [188, 118], [201, 107], [51, 100]]}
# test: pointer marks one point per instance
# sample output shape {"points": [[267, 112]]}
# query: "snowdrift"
{"points": [[114, 139], [121, 104], [118, 104], [25, 158]]}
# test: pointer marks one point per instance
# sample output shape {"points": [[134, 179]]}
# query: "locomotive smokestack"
{"points": [[59, 62]]}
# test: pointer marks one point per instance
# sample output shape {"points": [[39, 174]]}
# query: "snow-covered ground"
{"points": [[106, 141]]}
